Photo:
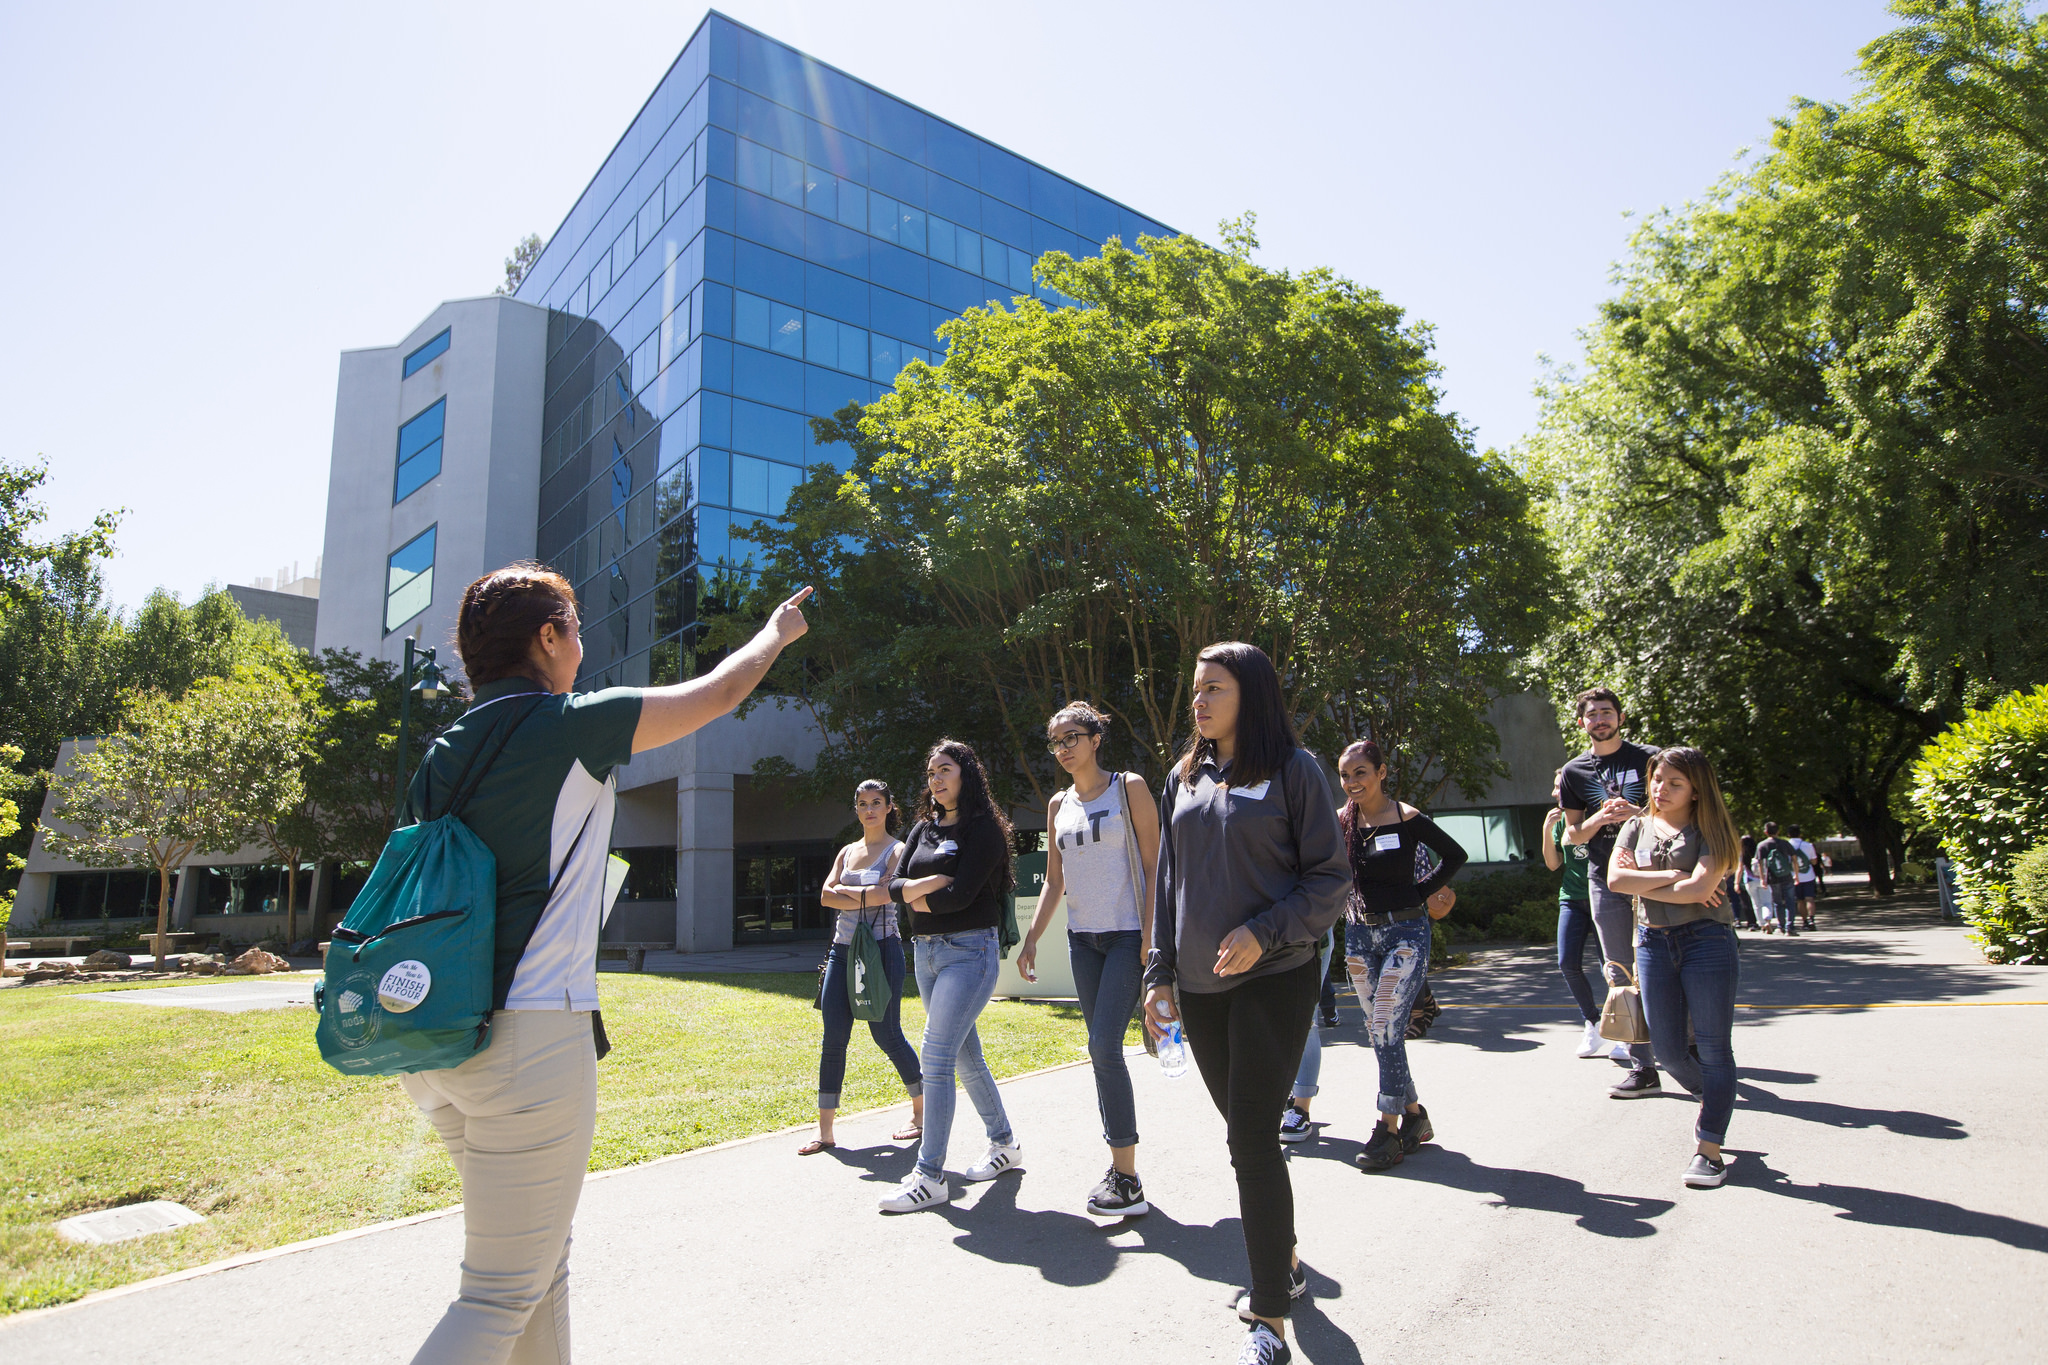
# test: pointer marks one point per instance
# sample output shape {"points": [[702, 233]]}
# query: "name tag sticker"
{"points": [[1387, 843], [1257, 793], [949, 846]]}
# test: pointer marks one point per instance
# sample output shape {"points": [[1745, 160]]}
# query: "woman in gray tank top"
{"points": [[1103, 850]]}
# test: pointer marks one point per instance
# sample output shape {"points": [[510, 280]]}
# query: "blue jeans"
{"points": [[1310, 1072], [887, 1031], [1690, 973], [1389, 964], [1106, 978], [956, 974], [1574, 922], [1784, 904], [1614, 920]]}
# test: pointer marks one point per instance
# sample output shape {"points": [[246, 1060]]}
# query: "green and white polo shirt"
{"points": [[550, 792]]}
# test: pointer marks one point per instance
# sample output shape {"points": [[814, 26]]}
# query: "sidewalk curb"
{"points": [[349, 1234]]}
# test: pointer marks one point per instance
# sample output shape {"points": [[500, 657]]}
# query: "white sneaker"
{"points": [[918, 1192], [1620, 1054], [1592, 1045], [998, 1160]]}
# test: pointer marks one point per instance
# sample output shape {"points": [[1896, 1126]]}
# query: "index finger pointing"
{"points": [[802, 594]]}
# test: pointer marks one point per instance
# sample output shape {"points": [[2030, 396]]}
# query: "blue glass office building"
{"points": [[771, 240]]}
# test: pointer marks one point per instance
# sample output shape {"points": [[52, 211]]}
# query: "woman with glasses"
{"points": [[1104, 848], [857, 887]]}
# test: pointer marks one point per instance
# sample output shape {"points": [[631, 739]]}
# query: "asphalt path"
{"points": [[1887, 1201]]}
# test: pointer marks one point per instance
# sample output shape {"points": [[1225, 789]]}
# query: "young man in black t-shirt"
{"points": [[1600, 789]]}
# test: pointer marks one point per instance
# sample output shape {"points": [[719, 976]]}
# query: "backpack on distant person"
{"points": [[1804, 863], [408, 979], [1777, 862]]}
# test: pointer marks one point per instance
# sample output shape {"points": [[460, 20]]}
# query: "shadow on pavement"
{"points": [[1904, 1122], [1608, 1215], [1884, 1208]]}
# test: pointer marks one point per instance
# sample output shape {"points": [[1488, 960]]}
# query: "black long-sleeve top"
{"points": [[973, 855], [1383, 862]]}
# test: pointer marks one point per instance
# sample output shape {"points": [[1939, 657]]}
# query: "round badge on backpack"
{"points": [[404, 986]]}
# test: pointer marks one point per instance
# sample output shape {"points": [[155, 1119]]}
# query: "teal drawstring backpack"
{"points": [[408, 976]]}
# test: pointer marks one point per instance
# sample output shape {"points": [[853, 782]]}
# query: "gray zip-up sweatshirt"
{"points": [[1268, 856]]}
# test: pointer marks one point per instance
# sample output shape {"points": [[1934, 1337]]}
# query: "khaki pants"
{"points": [[518, 1118]]}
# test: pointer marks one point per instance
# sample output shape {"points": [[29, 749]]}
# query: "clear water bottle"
{"points": [[1173, 1053]]}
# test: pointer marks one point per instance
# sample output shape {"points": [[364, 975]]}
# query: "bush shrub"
{"points": [[1983, 785], [2030, 880]]}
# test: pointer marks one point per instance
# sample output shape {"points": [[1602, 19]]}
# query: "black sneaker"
{"points": [[1328, 1021], [1118, 1196], [1383, 1151], [1705, 1173], [1295, 1125], [1415, 1130], [1638, 1083], [1297, 1285], [1263, 1346]]}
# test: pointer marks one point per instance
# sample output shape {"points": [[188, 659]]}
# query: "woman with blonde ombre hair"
{"points": [[1671, 859]]}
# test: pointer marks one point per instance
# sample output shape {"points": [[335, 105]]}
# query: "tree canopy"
{"points": [[1080, 498]]}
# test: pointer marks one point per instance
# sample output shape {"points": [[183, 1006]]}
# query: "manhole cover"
{"points": [[131, 1220]]}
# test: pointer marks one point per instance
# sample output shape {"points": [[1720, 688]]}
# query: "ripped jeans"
{"points": [[1389, 964]]}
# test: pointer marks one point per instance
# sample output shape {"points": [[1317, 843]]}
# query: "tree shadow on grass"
{"points": [[1886, 1208], [1608, 1215]]}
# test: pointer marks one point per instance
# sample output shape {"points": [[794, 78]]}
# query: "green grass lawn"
{"points": [[236, 1116]]}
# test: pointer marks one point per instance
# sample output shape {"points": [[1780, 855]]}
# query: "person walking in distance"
{"points": [[1805, 874], [1574, 918], [1251, 874], [1672, 858], [1386, 936], [955, 871], [1601, 788], [857, 887], [518, 1117], [1747, 906], [1778, 862], [1104, 851]]}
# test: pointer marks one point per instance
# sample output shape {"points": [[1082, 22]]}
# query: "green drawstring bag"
{"points": [[867, 976]]}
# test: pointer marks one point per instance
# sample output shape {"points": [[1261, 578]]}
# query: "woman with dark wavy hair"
{"points": [[954, 873], [1251, 876]]}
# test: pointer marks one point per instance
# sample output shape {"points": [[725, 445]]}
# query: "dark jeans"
{"points": [[1246, 1042], [887, 1031], [1745, 909], [1106, 977], [1689, 974], [1574, 923], [1783, 904]]}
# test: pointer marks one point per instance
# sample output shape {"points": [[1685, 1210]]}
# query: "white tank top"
{"points": [[1097, 855], [880, 916]]}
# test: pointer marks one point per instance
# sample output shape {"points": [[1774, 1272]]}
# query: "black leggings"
{"points": [[1247, 1044]]}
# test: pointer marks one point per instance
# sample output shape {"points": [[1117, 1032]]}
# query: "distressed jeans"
{"points": [[1689, 975], [956, 974], [1389, 964]]}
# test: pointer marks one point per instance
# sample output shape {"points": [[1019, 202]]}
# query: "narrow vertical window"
{"points": [[419, 450], [409, 580]]}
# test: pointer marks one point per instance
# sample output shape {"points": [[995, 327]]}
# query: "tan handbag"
{"points": [[1621, 1020]]}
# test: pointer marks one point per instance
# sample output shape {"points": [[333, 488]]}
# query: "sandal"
{"points": [[913, 1133], [815, 1146]]}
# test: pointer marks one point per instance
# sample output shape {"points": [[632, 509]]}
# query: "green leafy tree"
{"points": [[519, 262], [352, 782], [1800, 492], [183, 776], [1079, 499], [1983, 786], [292, 825], [10, 825]]}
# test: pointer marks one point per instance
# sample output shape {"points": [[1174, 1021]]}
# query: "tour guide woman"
{"points": [[1251, 874], [954, 873], [518, 1117]]}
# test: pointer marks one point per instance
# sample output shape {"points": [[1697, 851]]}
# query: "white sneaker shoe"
{"points": [[998, 1160], [918, 1192], [1620, 1054], [1592, 1045]]}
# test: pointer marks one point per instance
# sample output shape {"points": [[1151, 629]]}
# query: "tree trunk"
{"points": [[291, 903], [1876, 856], [163, 911]]}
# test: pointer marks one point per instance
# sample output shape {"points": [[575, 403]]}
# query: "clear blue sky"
{"points": [[206, 204]]}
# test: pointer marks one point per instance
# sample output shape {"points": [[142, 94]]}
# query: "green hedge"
{"points": [[1983, 785], [1518, 906]]}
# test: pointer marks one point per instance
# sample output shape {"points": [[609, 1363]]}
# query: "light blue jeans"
{"points": [[956, 974], [1309, 1074]]}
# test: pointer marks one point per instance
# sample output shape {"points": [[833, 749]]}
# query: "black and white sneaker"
{"points": [[1000, 1158], [1705, 1173], [1638, 1083], [1294, 1125], [1263, 1346], [916, 1194], [1297, 1285], [1118, 1196]]}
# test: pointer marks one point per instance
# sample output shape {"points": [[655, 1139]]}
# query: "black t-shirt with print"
{"points": [[1592, 778]]}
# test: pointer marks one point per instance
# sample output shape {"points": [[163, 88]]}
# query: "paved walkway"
{"points": [[1888, 1202]]}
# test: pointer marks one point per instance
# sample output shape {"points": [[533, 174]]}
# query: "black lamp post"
{"points": [[430, 686]]}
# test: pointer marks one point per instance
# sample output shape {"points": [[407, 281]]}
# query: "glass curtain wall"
{"points": [[770, 241]]}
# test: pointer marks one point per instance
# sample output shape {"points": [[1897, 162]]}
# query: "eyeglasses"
{"points": [[1065, 742]]}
